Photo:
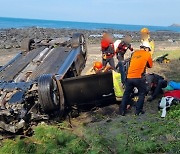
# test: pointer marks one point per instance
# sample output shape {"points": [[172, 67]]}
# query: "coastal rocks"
{"points": [[1, 44], [7, 46], [12, 38]]}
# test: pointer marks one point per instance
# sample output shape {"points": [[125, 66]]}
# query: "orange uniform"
{"points": [[139, 61]]}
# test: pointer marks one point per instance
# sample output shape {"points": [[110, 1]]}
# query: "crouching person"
{"points": [[155, 84], [98, 68], [135, 78], [107, 47]]}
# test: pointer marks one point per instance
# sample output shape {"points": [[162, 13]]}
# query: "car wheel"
{"points": [[26, 44], [50, 93], [77, 40]]}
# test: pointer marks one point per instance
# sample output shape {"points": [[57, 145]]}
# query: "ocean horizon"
{"points": [[7, 22]]}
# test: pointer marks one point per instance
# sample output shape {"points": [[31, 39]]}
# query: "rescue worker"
{"points": [[98, 68], [118, 90], [120, 52], [135, 78], [107, 48], [145, 37]]}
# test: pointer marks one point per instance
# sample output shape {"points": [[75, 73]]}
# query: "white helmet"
{"points": [[145, 44], [116, 44]]}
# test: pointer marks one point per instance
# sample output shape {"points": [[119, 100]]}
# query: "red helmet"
{"points": [[98, 66]]}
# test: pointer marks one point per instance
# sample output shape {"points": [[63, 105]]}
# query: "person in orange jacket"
{"points": [[135, 78], [108, 52]]}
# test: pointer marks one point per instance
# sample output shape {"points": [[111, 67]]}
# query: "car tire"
{"points": [[50, 93], [26, 44], [77, 40]]}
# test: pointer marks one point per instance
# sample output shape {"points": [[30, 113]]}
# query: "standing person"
{"points": [[135, 78], [145, 37], [120, 52], [107, 48]]}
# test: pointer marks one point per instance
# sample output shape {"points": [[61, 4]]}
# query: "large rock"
{"points": [[7, 46], [1, 46]]}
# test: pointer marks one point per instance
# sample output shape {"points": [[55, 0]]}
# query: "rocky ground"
{"points": [[11, 38]]}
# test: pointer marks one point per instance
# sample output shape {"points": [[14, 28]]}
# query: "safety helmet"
{"points": [[146, 44], [98, 66], [116, 44], [145, 31]]}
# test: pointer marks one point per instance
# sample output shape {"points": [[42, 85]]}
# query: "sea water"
{"points": [[24, 23]]}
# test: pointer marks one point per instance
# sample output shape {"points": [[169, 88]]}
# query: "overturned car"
{"points": [[44, 81]]}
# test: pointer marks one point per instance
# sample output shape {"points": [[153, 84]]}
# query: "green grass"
{"points": [[46, 139], [154, 135], [170, 71], [52, 140], [140, 135], [174, 54]]}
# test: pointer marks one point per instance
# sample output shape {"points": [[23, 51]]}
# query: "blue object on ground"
{"points": [[175, 85]]}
